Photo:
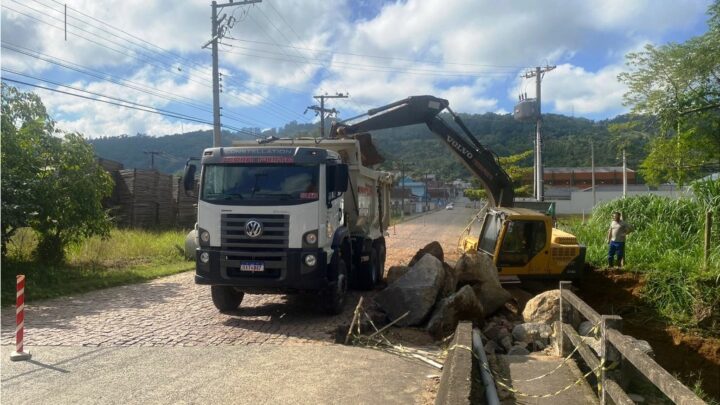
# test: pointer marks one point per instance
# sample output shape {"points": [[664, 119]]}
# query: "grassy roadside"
{"points": [[126, 257], [666, 249]]}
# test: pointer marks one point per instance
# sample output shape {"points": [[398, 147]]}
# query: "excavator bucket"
{"points": [[368, 152]]}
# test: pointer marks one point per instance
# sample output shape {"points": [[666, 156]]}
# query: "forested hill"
{"points": [[566, 143], [172, 150]]}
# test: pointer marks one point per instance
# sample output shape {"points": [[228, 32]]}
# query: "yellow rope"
{"points": [[565, 360]]}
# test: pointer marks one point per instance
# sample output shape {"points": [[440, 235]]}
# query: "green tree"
{"points": [[24, 126], [680, 85], [49, 183], [511, 165]]}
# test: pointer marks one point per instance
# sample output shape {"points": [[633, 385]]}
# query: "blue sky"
{"points": [[278, 54]]}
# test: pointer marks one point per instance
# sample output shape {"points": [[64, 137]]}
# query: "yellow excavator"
{"points": [[522, 242]]}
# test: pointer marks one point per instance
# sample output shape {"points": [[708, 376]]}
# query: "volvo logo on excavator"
{"points": [[455, 144]]}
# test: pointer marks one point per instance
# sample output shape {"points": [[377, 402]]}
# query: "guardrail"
{"points": [[616, 349]]}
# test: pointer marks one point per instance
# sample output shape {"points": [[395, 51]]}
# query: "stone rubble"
{"points": [[439, 295]]}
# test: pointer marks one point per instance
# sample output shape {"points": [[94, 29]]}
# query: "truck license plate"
{"points": [[252, 266]]}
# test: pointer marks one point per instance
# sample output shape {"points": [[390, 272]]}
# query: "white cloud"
{"points": [[572, 89], [468, 51]]}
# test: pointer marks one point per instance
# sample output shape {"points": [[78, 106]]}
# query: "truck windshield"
{"points": [[260, 183]]}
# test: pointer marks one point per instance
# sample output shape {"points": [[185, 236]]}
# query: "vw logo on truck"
{"points": [[253, 228]]}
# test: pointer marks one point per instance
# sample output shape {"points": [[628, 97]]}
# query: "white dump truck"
{"points": [[290, 215]]}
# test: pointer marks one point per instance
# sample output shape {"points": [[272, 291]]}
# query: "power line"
{"points": [[113, 79], [127, 33], [146, 109], [171, 69], [94, 93], [438, 62], [278, 30], [467, 72], [133, 53], [200, 67], [174, 55], [368, 68]]}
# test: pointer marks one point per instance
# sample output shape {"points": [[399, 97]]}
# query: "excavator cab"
{"points": [[523, 243]]}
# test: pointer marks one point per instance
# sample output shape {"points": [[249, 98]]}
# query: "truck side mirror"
{"points": [[189, 178], [337, 178]]}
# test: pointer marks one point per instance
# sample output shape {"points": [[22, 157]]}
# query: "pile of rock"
{"points": [[437, 295], [508, 333]]}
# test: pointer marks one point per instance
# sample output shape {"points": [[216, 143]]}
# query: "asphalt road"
{"points": [[251, 374], [164, 342]]}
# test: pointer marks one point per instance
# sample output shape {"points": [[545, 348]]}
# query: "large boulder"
{"points": [[545, 308], [395, 272], [415, 291], [432, 248], [476, 268], [450, 281], [491, 296], [460, 306], [530, 332]]}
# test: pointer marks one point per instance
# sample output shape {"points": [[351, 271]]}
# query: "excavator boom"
{"points": [[481, 161]]}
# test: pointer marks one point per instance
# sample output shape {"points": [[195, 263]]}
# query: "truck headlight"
{"points": [[204, 237], [311, 238], [310, 260], [204, 257]]}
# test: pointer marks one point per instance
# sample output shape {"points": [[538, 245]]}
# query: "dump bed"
{"points": [[367, 200]]}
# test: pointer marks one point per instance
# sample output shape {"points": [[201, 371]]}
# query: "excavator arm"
{"points": [[481, 161]]}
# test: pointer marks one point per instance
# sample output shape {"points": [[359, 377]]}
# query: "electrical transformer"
{"points": [[526, 110]]}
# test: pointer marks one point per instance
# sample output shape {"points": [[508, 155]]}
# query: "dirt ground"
{"points": [[688, 355], [444, 226]]}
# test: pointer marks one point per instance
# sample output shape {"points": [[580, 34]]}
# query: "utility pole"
{"points": [[402, 190], [538, 73], [624, 175], [321, 109], [427, 193], [152, 157], [218, 32]]}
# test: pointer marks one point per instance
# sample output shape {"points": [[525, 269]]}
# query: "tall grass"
{"points": [[667, 246], [126, 256], [122, 246]]}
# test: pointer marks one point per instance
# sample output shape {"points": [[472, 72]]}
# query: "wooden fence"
{"points": [[618, 352], [148, 199]]}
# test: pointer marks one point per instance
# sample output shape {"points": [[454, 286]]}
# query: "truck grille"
{"points": [[274, 235], [268, 248]]}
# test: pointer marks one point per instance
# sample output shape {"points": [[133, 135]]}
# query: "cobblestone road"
{"points": [[173, 311]]}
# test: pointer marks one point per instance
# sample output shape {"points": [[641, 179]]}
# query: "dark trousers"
{"points": [[616, 248]]}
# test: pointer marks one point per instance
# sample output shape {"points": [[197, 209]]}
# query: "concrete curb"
{"points": [[456, 380]]}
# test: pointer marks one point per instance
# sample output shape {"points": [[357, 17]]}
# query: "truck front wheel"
{"points": [[333, 299], [226, 298]]}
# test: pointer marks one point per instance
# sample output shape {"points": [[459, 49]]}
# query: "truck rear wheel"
{"points": [[369, 272], [382, 254], [333, 299], [226, 298]]}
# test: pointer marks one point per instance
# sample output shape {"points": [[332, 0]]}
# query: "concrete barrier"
{"points": [[456, 380]]}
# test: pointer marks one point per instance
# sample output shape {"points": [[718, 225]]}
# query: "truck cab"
{"points": [[280, 218]]}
